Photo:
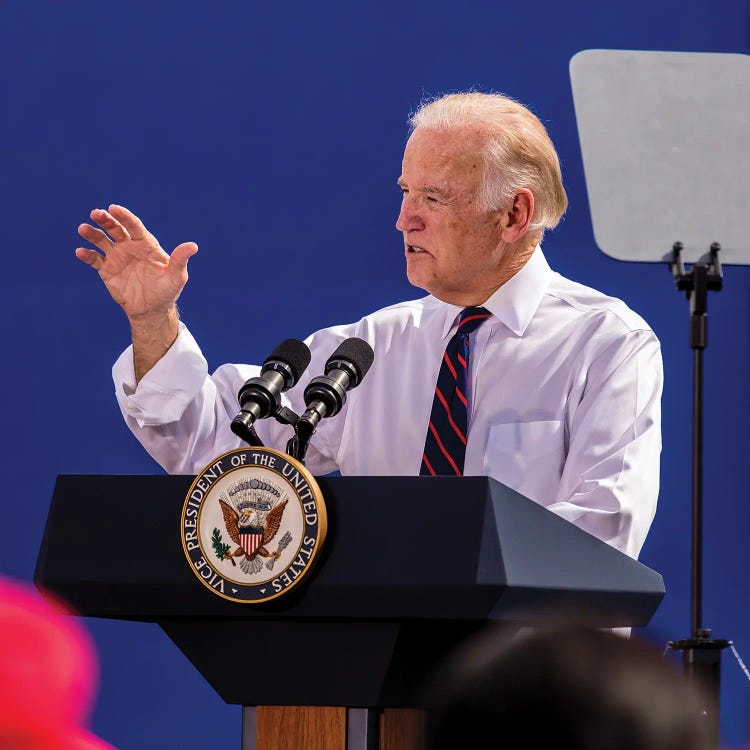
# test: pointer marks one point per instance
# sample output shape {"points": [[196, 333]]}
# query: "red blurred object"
{"points": [[48, 673]]}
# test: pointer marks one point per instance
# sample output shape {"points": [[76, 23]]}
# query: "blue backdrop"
{"points": [[271, 134]]}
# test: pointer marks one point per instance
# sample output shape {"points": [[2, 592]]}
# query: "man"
{"points": [[555, 387]]}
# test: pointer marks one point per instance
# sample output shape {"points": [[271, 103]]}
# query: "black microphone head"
{"points": [[292, 352], [355, 352]]}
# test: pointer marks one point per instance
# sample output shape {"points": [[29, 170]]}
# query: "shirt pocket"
{"points": [[527, 456]]}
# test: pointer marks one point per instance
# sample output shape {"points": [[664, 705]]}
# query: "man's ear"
{"points": [[516, 219]]}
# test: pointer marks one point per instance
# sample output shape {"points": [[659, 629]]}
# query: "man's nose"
{"points": [[409, 219]]}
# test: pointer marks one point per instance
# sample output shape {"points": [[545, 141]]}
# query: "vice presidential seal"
{"points": [[252, 524]]}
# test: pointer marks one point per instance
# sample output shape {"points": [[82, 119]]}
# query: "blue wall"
{"points": [[271, 134]]}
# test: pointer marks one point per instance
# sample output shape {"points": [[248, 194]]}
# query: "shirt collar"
{"points": [[516, 301]]}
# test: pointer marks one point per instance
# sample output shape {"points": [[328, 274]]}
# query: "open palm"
{"points": [[139, 275]]}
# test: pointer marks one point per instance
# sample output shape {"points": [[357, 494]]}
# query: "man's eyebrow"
{"points": [[435, 190], [429, 189]]}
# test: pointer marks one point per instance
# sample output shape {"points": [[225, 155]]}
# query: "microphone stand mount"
{"points": [[284, 415]]}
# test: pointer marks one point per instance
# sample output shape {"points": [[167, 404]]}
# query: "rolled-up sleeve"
{"points": [[181, 414], [178, 413]]}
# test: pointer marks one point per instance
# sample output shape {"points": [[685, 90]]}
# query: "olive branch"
{"points": [[221, 549]]}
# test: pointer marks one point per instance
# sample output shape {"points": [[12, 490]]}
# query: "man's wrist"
{"points": [[153, 336]]}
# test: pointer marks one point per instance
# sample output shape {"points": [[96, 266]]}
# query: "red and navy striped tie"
{"points": [[445, 444]]}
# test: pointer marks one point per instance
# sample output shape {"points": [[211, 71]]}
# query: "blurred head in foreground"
{"points": [[47, 674], [568, 688]]}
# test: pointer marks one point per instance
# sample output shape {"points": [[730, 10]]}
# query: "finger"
{"points": [[130, 221], [96, 237], [108, 222], [90, 257], [181, 255]]}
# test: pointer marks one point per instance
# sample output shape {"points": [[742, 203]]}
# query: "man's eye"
{"points": [[431, 199]]}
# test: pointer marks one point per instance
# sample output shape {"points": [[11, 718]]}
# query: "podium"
{"points": [[410, 567]]}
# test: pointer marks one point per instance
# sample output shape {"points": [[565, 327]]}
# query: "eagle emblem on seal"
{"points": [[252, 511]]}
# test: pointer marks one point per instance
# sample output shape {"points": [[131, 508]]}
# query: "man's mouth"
{"points": [[415, 249]]}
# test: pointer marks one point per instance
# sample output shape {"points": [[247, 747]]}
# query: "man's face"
{"points": [[453, 250]]}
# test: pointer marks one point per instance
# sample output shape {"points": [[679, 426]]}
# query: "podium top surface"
{"points": [[398, 548]]}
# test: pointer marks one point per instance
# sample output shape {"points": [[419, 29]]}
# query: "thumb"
{"points": [[181, 254]]}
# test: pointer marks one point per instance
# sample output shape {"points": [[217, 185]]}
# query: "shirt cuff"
{"points": [[164, 392]]}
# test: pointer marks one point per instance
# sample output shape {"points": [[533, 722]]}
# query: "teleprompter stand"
{"points": [[411, 567], [701, 654], [664, 138]]}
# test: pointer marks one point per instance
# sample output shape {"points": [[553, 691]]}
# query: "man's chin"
{"points": [[445, 294], [418, 280], [429, 286]]}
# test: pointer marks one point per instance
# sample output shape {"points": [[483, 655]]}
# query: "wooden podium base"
{"points": [[311, 728], [325, 728], [402, 729]]}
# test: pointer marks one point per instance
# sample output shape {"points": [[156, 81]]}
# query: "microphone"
{"points": [[326, 394], [260, 397]]}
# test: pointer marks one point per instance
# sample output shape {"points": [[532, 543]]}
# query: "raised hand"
{"points": [[139, 275]]}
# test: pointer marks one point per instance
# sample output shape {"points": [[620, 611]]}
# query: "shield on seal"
{"points": [[250, 538]]}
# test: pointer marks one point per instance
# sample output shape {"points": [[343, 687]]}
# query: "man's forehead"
{"points": [[439, 157]]}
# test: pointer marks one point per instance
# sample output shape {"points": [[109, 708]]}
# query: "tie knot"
{"points": [[471, 318]]}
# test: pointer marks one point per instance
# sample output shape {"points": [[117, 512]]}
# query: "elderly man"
{"points": [[505, 369]]}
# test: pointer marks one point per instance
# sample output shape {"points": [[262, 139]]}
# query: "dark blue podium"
{"points": [[411, 566]]}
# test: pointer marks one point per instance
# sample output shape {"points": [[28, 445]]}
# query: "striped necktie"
{"points": [[445, 444]]}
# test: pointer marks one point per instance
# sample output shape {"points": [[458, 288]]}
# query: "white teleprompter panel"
{"points": [[665, 138]]}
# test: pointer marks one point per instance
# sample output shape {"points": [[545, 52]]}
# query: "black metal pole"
{"points": [[701, 654], [697, 554]]}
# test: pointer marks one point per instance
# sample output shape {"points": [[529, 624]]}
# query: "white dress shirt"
{"points": [[565, 401]]}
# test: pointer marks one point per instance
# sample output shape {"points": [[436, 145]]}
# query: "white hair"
{"points": [[517, 150]]}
